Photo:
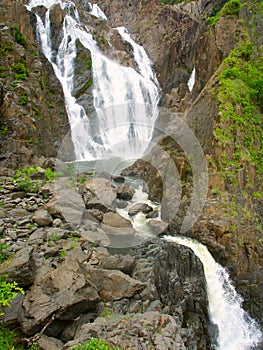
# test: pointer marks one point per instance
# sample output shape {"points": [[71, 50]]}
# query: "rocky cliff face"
{"points": [[33, 117]]}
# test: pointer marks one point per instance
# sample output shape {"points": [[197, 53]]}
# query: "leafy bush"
{"points": [[19, 37], [94, 344], [231, 8], [8, 291], [20, 71]]}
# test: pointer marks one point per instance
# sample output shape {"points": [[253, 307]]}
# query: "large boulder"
{"points": [[115, 220], [64, 292], [140, 207], [68, 205], [20, 268], [42, 217], [98, 193], [125, 192]]}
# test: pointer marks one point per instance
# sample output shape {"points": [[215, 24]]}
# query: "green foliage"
{"points": [[4, 250], [5, 47], [7, 340], [54, 237], [240, 95], [95, 344], [8, 291], [19, 37], [231, 8], [23, 99], [20, 71], [3, 130], [89, 64], [103, 40]]}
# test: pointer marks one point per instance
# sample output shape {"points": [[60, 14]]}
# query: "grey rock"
{"points": [[42, 217], [140, 207], [158, 226], [65, 292], [20, 268], [115, 220], [140, 331], [67, 205], [49, 343]]}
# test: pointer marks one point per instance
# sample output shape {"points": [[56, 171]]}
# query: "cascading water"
{"points": [[237, 330], [125, 100]]}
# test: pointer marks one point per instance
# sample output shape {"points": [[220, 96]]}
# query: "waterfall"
{"points": [[191, 80], [125, 99], [237, 330]]}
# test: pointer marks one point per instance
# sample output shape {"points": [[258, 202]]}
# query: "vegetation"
{"points": [[231, 8], [24, 182], [19, 37], [95, 344], [240, 96], [20, 71]]}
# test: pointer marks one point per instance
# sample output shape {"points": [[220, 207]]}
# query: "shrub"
{"points": [[19, 37], [231, 8]]}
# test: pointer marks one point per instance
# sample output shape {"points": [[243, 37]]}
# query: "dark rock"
{"points": [[118, 179], [140, 207], [125, 192]]}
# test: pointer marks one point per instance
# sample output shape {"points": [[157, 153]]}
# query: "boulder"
{"points": [[65, 292], [158, 226], [125, 192], [151, 328], [115, 220], [98, 193], [20, 268], [113, 284], [42, 217], [140, 207], [97, 237], [49, 343], [67, 205]]}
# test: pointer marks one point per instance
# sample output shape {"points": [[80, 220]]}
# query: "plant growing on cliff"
{"points": [[20, 71], [19, 36], [8, 291], [95, 344], [231, 8]]}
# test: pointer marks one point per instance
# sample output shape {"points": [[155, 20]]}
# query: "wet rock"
{"points": [[118, 179], [158, 226], [42, 217], [125, 192], [140, 207]]}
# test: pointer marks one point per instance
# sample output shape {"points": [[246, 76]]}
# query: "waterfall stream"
{"points": [[237, 330], [125, 117]]}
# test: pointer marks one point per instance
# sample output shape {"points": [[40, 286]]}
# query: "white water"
{"points": [[191, 80], [97, 12], [139, 221], [237, 330], [125, 100]]}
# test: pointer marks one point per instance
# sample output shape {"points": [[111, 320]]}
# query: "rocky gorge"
{"points": [[152, 296]]}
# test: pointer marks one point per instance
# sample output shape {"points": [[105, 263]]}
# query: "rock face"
{"points": [[31, 96]]}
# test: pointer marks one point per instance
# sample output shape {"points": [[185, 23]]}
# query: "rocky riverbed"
{"points": [[76, 287]]}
